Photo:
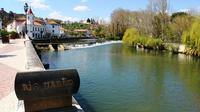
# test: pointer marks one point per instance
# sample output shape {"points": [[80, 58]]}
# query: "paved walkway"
{"points": [[12, 60]]}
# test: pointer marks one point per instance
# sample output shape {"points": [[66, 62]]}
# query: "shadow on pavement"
{"points": [[6, 56]]}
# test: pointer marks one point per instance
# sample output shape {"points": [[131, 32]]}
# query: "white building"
{"points": [[18, 25], [36, 28], [0, 23]]}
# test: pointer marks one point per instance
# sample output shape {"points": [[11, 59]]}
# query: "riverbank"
{"points": [[12, 60], [170, 47]]}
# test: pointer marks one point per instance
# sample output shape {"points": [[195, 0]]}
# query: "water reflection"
{"points": [[159, 73]]}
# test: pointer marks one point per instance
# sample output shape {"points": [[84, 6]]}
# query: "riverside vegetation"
{"points": [[153, 27]]}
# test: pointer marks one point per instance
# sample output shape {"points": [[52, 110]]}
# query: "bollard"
{"points": [[45, 90]]}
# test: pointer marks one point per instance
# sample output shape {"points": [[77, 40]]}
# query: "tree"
{"points": [[130, 37], [180, 22], [192, 37], [100, 31], [120, 21], [161, 19], [142, 21], [178, 14], [88, 20], [133, 38]]}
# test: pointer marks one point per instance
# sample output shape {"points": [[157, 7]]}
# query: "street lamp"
{"points": [[25, 10]]}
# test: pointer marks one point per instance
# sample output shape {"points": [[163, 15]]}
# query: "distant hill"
{"points": [[8, 17]]}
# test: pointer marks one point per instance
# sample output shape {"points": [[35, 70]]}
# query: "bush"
{"points": [[14, 35], [192, 38], [130, 37], [4, 34], [133, 38]]}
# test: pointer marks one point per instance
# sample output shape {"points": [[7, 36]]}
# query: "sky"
{"points": [[75, 10]]}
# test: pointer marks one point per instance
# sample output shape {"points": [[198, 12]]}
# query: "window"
{"points": [[53, 31], [33, 28], [52, 26]]}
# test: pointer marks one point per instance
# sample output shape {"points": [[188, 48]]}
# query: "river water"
{"points": [[115, 78]]}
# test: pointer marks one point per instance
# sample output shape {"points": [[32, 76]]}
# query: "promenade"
{"points": [[12, 60]]}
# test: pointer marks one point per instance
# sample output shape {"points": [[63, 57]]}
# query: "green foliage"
{"points": [[172, 47], [76, 25], [195, 35], [151, 42], [4, 33], [180, 23], [130, 37], [133, 38], [186, 37], [192, 38], [178, 14], [14, 35], [100, 31]]}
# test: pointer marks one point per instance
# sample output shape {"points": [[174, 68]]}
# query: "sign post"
{"points": [[44, 90]]}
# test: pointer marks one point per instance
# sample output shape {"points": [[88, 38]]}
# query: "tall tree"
{"points": [[180, 22], [120, 22], [161, 19]]}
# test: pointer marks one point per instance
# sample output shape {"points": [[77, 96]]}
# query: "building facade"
{"points": [[35, 28]]}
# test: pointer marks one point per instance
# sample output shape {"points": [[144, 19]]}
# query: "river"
{"points": [[115, 78]]}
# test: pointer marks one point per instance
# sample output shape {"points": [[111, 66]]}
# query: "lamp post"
{"points": [[25, 10]]}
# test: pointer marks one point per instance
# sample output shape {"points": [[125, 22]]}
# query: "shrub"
{"points": [[192, 38], [4, 34], [133, 38], [14, 35]]}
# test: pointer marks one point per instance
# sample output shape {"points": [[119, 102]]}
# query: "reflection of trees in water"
{"points": [[152, 71], [148, 67], [154, 68], [121, 58], [189, 73]]}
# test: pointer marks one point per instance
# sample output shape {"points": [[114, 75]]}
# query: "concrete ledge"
{"points": [[33, 61], [34, 64]]}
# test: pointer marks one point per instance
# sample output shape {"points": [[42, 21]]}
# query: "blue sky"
{"points": [[82, 9]]}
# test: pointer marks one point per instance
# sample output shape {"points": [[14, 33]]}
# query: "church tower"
{"points": [[30, 22]]}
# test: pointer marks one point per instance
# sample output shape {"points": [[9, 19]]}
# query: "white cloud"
{"points": [[81, 8], [184, 10], [83, 1], [60, 16], [38, 4]]}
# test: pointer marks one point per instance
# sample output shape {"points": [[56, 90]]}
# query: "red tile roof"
{"points": [[30, 12]]}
